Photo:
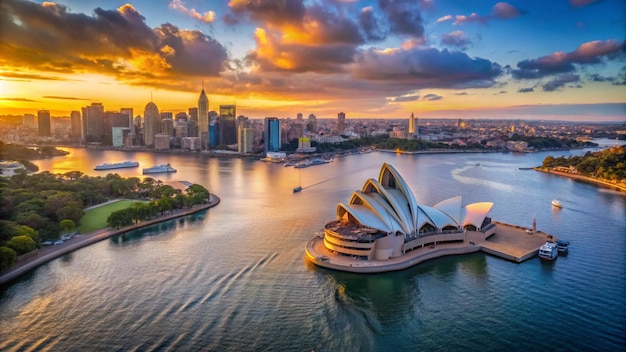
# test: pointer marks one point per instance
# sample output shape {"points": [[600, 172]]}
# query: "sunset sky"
{"points": [[549, 59]]}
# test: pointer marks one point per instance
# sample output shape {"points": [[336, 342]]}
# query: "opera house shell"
{"points": [[383, 220]]}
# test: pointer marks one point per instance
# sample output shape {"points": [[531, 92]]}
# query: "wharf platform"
{"points": [[509, 242]]}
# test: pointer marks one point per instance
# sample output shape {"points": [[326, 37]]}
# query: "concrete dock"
{"points": [[509, 242]]}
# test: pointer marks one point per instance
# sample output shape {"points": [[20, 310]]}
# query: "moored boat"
{"points": [[548, 251], [562, 246], [122, 165], [159, 169], [557, 204]]}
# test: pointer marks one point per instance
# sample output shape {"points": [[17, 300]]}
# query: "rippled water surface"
{"points": [[235, 277]]}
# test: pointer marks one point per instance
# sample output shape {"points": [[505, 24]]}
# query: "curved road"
{"points": [[46, 254]]}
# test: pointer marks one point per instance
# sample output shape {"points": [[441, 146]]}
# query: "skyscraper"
{"points": [[151, 121], [412, 125], [43, 121], [93, 122], [203, 118], [228, 125], [75, 123], [245, 137], [341, 123], [131, 123], [271, 135]]}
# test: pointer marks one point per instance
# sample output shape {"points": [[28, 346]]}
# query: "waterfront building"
{"points": [[412, 130], [118, 135], [93, 122], [111, 120], [271, 134], [227, 125], [245, 137], [162, 141], [518, 146], [304, 145], [130, 139], [43, 122], [167, 127], [203, 118], [191, 143], [75, 124], [150, 122], [383, 220]]}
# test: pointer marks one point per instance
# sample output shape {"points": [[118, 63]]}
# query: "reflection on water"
{"points": [[235, 278]]}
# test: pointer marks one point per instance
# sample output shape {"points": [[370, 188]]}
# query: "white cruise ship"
{"points": [[157, 169], [122, 165]]}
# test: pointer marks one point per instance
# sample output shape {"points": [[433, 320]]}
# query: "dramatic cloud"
{"points": [[369, 24], [206, 17], [421, 67], [456, 38], [48, 38], [560, 81], [270, 12], [403, 17], [501, 11], [588, 53], [405, 98]]}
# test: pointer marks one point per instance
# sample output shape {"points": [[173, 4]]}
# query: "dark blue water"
{"points": [[235, 277]]}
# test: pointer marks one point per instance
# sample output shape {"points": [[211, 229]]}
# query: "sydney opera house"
{"points": [[383, 223]]}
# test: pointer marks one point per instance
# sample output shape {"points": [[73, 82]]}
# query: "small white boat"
{"points": [[159, 169], [556, 203], [563, 246], [549, 251]]}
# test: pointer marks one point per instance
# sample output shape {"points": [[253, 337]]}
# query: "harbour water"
{"points": [[235, 277]]}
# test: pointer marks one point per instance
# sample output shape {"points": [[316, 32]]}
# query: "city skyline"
{"points": [[370, 59]]}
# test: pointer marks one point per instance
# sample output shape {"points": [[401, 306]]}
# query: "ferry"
{"points": [[157, 169], [557, 204], [549, 251], [122, 165]]}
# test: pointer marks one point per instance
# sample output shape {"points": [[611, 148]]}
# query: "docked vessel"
{"points": [[556, 203], [157, 169], [562, 246], [549, 251], [311, 162], [122, 165]]}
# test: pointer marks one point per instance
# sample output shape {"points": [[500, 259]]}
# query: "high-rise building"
{"points": [[203, 118], [311, 124], [132, 133], [75, 124], [43, 122], [29, 121], [181, 116], [341, 123], [245, 137], [113, 119], [151, 122], [271, 135], [227, 124], [412, 125], [93, 122]]}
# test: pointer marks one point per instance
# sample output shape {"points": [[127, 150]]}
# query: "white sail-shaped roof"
{"points": [[389, 205], [475, 213], [452, 207]]}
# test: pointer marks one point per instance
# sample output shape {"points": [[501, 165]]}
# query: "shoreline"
{"points": [[46, 254], [583, 178]]}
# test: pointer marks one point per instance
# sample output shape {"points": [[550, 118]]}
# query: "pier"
{"points": [[510, 242]]}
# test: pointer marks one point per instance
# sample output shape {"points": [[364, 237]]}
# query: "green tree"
{"points": [[8, 257], [120, 218], [67, 225], [22, 244], [71, 212]]}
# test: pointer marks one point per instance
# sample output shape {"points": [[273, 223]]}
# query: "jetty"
{"points": [[510, 242]]}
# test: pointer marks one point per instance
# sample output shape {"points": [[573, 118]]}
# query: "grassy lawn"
{"points": [[96, 218]]}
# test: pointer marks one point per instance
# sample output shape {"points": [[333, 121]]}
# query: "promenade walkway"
{"points": [[509, 242], [46, 254]]}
